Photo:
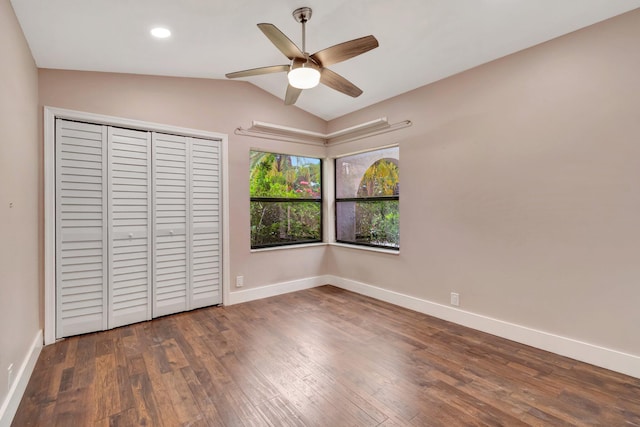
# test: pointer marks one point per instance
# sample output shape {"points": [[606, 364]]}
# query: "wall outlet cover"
{"points": [[455, 299]]}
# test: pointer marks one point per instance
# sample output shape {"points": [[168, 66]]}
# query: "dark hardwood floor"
{"points": [[320, 357]]}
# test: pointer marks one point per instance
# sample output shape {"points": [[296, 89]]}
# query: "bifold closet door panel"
{"points": [[205, 220], [81, 228], [129, 216], [137, 226], [171, 285]]}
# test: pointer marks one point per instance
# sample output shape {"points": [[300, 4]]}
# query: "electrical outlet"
{"points": [[9, 377], [455, 299], [239, 281]]}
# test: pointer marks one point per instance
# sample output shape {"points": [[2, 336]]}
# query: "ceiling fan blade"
{"points": [[292, 95], [258, 71], [281, 41], [339, 83], [343, 51]]}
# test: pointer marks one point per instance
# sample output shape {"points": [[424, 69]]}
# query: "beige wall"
{"points": [[210, 105], [19, 184], [521, 188]]}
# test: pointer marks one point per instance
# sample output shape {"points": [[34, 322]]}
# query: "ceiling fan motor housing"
{"points": [[302, 14]]}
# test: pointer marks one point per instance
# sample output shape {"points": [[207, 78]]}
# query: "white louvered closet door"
{"points": [[81, 228], [171, 285], [187, 243], [137, 226], [129, 226], [205, 220]]}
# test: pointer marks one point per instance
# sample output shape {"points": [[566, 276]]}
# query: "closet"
{"points": [[137, 225]]}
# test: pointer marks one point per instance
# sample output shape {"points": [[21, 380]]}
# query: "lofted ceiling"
{"points": [[421, 41]]}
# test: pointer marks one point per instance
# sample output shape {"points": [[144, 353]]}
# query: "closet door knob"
{"points": [[130, 235], [171, 232]]}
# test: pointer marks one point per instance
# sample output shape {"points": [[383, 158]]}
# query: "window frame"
{"points": [[319, 200], [338, 200]]}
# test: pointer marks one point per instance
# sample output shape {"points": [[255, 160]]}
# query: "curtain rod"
{"points": [[289, 134]]}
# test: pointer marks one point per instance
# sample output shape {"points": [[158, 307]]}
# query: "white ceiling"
{"points": [[421, 41]]}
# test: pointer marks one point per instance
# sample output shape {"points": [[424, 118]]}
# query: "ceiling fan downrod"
{"points": [[302, 15]]}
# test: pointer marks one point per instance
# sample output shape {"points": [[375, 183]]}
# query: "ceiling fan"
{"points": [[305, 71]]}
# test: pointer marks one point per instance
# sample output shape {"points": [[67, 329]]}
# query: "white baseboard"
{"points": [[614, 360], [276, 289], [624, 363], [12, 401]]}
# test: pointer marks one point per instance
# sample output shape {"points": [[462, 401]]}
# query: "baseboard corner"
{"points": [[276, 289], [13, 398]]}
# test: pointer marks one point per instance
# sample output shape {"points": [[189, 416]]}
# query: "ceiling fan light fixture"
{"points": [[304, 77]]}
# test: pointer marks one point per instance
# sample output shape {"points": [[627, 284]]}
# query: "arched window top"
{"points": [[351, 170], [382, 178]]}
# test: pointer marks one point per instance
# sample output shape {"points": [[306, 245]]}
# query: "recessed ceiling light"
{"points": [[160, 32]]}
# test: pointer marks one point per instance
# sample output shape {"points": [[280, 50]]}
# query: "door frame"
{"points": [[50, 116]]}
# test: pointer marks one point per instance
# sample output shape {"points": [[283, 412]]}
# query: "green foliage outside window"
{"points": [[378, 222], [286, 201], [381, 179]]}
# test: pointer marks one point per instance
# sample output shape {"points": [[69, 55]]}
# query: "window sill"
{"points": [[285, 247], [366, 248], [340, 245]]}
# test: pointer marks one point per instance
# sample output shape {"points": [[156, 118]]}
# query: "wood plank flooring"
{"points": [[319, 357]]}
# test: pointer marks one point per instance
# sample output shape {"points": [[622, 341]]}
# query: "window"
{"points": [[286, 199], [367, 199]]}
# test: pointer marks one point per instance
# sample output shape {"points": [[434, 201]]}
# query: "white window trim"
{"points": [[366, 248], [291, 246], [50, 115]]}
